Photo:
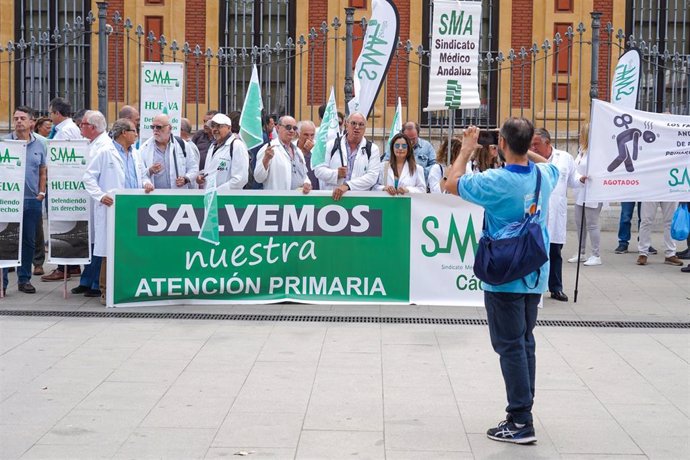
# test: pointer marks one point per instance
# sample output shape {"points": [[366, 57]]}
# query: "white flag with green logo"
{"points": [[396, 126], [251, 130], [209, 228], [327, 131]]}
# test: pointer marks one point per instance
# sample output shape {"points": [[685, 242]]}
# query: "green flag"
{"points": [[251, 131], [327, 131], [396, 126], [209, 228]]}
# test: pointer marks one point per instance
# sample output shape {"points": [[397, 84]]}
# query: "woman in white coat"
{"points": [[592, 210], [401, 174], [438, 171]]}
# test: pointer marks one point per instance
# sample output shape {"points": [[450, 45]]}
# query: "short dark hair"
{"points": [[26, 109], [234, 117], [518, 133], [543, 133], [322, 111], [120, 126], [79, 115], [61, 106], [416, 126]]}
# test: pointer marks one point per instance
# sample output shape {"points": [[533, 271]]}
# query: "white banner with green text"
{"points": [[68, 203], [368, 248], [161, 93], [12, 165]]}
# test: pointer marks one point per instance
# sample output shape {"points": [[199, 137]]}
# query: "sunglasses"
{"points": [[157, 127], [400, 146], [290, 127]]}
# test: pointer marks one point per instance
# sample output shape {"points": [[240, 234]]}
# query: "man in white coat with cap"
{"points": [[280, 164], [354, 163], [227, 157], [113, 168], [558, 207], [168, 163]]}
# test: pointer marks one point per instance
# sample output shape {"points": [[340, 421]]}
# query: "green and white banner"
{"points": [[68, 203], [161, 93], [454, 67], [368, 248], [12, 165]]}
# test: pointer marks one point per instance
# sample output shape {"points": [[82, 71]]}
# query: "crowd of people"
{"points": [[409, 164]]}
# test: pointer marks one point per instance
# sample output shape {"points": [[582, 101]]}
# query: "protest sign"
{"points": [[162, 85], [12, 168]]}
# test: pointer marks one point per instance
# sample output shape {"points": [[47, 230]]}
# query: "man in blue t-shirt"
{"points": [[507, 194]]}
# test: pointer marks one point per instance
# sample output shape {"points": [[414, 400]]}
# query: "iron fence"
{"points": [[540, 78]]}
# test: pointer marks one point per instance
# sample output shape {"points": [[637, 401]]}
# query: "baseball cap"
{"points": [[221, 119]]}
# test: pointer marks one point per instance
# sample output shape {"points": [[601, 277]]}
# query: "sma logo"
{"points": [[454, 238]]}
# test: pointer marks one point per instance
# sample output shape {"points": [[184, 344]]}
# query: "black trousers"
{"points": [[555, 268]]}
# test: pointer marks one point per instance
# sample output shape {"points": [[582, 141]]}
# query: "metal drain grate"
{"points": [[336, 319]]}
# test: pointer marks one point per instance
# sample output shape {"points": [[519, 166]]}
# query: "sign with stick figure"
{"points": [[637, 156]]}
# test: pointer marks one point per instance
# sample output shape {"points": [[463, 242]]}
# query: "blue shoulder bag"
{"points": [[502, 260]]}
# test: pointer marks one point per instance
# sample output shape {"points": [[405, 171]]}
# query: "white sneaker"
{"points": [[593, 260], [573, 259]]}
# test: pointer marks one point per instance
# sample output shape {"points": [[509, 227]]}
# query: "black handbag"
{"points": [[502, 260]]}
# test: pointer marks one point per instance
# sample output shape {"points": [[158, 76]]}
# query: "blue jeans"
{"points": [[624, 225], [89, 277], [511, 318], [32, 219]]}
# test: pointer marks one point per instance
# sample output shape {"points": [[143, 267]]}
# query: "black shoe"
{"points": [[686, 269], [621, 249], [26, 288], [92, 293], [685, 255], [507, 431], [560, 296], [79, 289], [652, 251]]}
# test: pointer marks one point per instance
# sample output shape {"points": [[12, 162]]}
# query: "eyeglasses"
{"points": [[83, 123], [357, 124], [158, 127], [289, 127], [400, 146]]}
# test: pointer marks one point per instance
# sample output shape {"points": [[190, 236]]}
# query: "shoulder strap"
{"points": [[538, 188], [180, 141], [232, 144], [367, 149], [336, 145]]}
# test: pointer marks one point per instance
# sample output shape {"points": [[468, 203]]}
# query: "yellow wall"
{"points": [[6, 34]]}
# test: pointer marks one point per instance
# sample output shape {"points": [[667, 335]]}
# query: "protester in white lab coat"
{"points": [[227, 157], [114, 167], [558, 207], [352, 166], [401, 174], [280, 165], [167, 161]]}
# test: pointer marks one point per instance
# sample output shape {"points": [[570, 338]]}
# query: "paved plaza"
{"points": [[117, 387]]}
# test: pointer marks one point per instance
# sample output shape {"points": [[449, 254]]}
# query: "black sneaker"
{"points": [[685, 255], [621, 249], [506, 431], [652, 251]]}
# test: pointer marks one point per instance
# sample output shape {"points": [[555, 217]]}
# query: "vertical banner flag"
{"points": [[454, 68], [209, 227], [251, 131], [637, 156], [396, 126], [327, 132], [626, 80], [68, 203], [12, 181], [380, 43], [162, 85]]}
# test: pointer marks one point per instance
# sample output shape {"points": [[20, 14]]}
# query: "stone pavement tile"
{"points": [[173, 443], [293, 342], [426, 433], [576, 405], [603, 457], [67, 452], [110, 356], [408, 334], [358, 338], [60, 380], [349, 362], [36, 407], [326, 445], [483, 447], [183, 330], [192, 406], [16, 370], [588, 436], [168, 348], [426, 455], [164, 371], [661, 431], [673, 341], [341, 401], [17, 439], [135, 396], [435, 399], [260, 429], [75, 328], [276, 387], [276, 453], [553, 372], [93, 428]]}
